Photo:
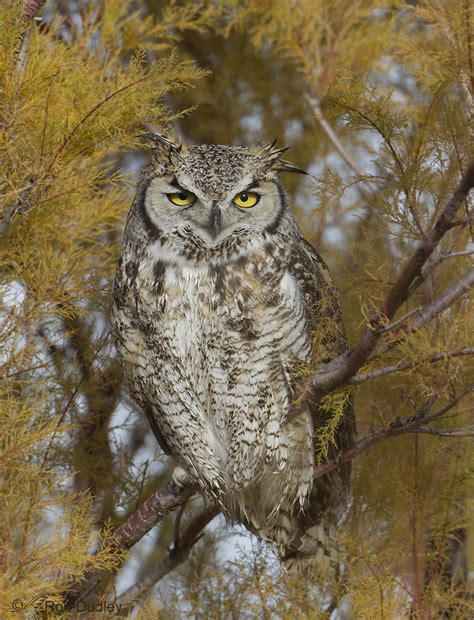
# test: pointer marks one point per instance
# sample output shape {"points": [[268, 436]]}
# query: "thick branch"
{"points": [[31, 7], [443, 301], [176, 556], [338, 372], [151, 512]]}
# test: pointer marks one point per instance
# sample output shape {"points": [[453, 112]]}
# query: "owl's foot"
{"points": [[181, 478]]}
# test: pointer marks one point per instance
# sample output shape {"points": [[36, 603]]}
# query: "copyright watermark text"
{"points": [[52, 607]]}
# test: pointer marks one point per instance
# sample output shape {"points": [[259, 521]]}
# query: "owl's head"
{"points": [[215, 190]]}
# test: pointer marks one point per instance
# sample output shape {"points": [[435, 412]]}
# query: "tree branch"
{"points": [[178, 554], [20, 205], [315, 106], [338, 371], [455, 432], [407, 364], [151, 512], [415, 423], [31, 7], [421, 315], [457, 254], [443, 301]]}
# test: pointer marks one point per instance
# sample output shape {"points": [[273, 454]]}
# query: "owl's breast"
{"points": [[227, 330], [231, 326], [244, 304]]}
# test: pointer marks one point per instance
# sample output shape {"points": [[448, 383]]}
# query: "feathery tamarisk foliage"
{"points": [[72, 103], [377, 100]]}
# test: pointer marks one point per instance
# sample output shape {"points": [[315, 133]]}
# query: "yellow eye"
{"points": [[182, 199], [246, 199]]}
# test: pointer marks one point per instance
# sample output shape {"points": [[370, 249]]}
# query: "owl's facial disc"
{"points": [[176, 202]]}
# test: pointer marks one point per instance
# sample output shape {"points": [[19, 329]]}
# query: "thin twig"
{"points": [[394, 324], [338, 371], [328, 130], [72, 396], [423, 314], [399, 427], [25, 370], [176, 556], [151, 512], [443, 301], [90, 113], [436, 261], [457, 254], [407, 364], [455, 432]]}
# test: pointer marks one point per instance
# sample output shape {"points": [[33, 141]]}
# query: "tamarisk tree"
{"points": [[377, 101]]}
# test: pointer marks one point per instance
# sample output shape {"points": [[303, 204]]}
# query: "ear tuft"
{"points": [[166, 150], [285, 166], [270, 158]]}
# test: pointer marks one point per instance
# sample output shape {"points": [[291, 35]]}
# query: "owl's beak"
{"points": [[215, 220]]}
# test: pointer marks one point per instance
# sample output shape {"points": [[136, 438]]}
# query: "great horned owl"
{"points": [[219, 304]]}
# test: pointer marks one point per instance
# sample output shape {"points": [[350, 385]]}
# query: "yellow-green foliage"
{"points": [[335, 405], [324, 39], [66, 118], [72, 104], [47, 533], [250, 585], [394, 82]]}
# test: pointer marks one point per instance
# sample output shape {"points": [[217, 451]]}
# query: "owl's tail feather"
{"points": [[313, 553]]}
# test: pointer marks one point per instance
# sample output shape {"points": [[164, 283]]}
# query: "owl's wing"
{"points": [[312, 531], [321, 301], [324, 319]]}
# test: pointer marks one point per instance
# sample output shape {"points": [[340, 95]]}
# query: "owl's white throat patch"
{"points": [[173, 256]]}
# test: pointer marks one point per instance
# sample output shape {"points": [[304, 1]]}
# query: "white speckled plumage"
{"points": [[209, 319]]}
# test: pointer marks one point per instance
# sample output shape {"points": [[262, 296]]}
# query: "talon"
{"points": [[180, 477]]}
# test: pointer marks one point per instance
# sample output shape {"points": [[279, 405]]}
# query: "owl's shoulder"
{"points": [[320, 296], [310, 270]]}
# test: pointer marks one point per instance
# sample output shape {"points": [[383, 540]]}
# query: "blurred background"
{"points": [[376, 101]]}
